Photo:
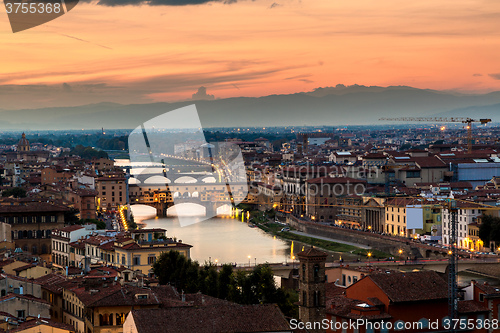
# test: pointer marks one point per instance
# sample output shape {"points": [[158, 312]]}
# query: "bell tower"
{"points": [[312, 278]]}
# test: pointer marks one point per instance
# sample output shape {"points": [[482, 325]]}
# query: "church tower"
{"points": [[24, 144], [312, 307]]}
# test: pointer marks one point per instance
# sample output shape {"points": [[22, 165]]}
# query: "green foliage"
{"points": [[114, 143], [489, 230], [271, 213], [70, 216], [100, 225], [87, 152], [131, 223], [256, 287], [16, 192]]}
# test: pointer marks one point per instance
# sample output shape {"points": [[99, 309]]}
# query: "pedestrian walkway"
{"points": [[300, 233]]}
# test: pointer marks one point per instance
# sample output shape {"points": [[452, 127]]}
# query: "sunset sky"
{"points": [[147, 53]]}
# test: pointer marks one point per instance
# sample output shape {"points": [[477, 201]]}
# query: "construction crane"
{"points": [[464, 120]]}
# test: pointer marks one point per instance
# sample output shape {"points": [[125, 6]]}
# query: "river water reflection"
{"points": [[231, 241]]}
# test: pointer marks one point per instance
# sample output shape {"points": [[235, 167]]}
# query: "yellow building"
{"points": [[396, 217], [475, 243], [37, 325], [140, 250]]}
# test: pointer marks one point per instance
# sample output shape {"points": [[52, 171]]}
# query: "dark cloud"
{"points": [[477, 74], [201, 94], [297, 77], [495, 76], [160, 2]]}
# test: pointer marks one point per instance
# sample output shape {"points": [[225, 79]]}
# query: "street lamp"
{"points": [[249, 260], [293, 263], [369, 254], [400, 254], [255, 262]]}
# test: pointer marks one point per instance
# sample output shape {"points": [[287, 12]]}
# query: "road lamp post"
{"points": [[249, 260]]}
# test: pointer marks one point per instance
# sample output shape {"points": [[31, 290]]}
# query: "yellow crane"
{"points": [[464, 120]]}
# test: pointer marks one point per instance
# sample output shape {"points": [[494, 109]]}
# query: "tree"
{"points": [[224, 281], [16, 192], [256, 287], [485, 230], [175, 269], [100, 225], [489, 230], [131, 223], [70, 216]]}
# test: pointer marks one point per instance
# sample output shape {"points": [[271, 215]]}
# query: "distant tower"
{"points": [[312, 307], [24, 144]]}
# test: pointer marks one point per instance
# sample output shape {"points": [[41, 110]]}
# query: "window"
{"points": [[151, 259], [316, 272], [412, 174], [21, 314], [316, 298], [137, 260]]}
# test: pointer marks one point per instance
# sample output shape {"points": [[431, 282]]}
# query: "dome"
{"points": [[24, 144]]}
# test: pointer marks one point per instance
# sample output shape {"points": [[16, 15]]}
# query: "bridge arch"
{"points": [[209, 179], [187, 209], [186, 180], [157, 180], [133, 181], [224, 209], [142, 211]]}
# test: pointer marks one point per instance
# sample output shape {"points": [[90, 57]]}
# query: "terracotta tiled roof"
{"points": [[32, 207], [51, 282], [212, 319], [331, 290], [70, 228], [312, 252], [341, 306], [30, 324], [23, 268], [412, 286], [471, 307], [24, 296], [116, 295], [335, 180]]}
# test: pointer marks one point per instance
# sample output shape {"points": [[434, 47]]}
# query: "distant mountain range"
{"points": [[332, 106]]}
